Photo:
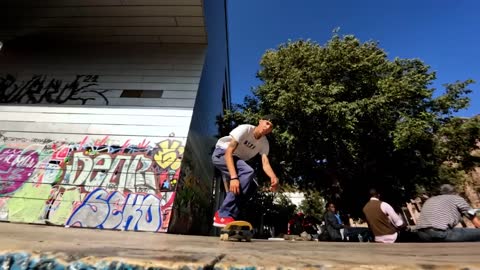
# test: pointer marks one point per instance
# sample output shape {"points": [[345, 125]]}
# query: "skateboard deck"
{"points": [[237, 230]]}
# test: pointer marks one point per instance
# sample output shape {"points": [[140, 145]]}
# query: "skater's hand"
{"points": [[235, 186], [274, 184]]}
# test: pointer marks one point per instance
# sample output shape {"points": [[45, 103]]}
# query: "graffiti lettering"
{"points": [[92, 183], [90, 78], [16, 166], [104, 169], [102, 210], [41, 90]]}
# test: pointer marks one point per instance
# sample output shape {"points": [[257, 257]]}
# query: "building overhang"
{"points": [[103, 21]]}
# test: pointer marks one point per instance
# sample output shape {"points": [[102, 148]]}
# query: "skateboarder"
{"points": [[230, 156]]}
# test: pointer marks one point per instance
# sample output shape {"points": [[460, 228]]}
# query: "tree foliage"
{"points": [[456, 142], [352, 119], [313, 205]]}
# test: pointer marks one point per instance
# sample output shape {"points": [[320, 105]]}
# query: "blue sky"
{"points": [[444, 34]]}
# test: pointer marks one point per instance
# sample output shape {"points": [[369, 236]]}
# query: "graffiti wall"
{"points": [[41, 89], [93, 183], [59, 103]]}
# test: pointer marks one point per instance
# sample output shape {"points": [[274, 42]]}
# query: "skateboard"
{"points": [[237, 230]]}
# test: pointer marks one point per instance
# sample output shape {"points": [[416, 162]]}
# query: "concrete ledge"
{"points": [[60, 248]]}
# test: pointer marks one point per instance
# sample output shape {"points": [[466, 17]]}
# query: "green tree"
{"points": [[313, 204], [456, 140], [351, 119]]}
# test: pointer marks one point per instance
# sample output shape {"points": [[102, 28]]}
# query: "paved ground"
{"points": [[196, 252]]}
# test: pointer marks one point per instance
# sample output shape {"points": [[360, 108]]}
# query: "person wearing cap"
{"points": [[230, 156], [441, 214]]}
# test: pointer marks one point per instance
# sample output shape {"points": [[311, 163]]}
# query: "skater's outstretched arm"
{"points": [[269, 171]]}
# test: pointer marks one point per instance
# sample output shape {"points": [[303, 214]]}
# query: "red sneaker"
{"points": [[221, 221]]}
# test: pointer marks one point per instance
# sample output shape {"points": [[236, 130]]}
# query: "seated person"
{"points": [[382, 220], [333, 224], [440, 214]]}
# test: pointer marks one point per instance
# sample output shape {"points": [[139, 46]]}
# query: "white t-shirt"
{"points": [[248, 146]]}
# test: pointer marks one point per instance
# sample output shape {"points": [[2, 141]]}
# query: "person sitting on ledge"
{"points": [[441, 214]]}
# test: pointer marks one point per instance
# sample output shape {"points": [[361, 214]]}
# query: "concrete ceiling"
{"points": [[134, 21]]}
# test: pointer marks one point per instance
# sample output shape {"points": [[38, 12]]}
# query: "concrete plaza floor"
{"points": [[168, 251]]}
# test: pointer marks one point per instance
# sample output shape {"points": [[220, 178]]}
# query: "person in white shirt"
{"points": [[230, 156], [382, 220]]}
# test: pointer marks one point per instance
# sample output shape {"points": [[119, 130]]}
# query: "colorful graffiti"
{"points": [[113, 210], [94, 183], [16, 166], [134, 173], [47, 261]]}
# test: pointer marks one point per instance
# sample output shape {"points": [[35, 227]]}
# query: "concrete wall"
{"points": [[93, 135]]}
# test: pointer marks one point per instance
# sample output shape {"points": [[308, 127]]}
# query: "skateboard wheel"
{"points": [[224, 236]]}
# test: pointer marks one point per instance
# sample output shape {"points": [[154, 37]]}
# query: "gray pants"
{"points": [[450, 235], [231, 204]]}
